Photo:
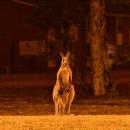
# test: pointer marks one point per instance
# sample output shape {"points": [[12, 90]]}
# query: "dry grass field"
{"points": [[72, 122], [32, 108]]}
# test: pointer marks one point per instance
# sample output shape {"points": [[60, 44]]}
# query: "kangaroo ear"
{"points": [[61, 54], [68, 54]]}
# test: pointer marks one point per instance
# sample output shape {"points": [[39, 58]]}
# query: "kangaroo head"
{"points": [[65, 59]]}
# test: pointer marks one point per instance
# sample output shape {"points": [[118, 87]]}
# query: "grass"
{"points": [[80, 122]]}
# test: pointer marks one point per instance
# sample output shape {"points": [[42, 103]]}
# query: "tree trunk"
{"points": [[97, 32]]}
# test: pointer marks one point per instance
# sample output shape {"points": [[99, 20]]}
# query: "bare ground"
{"points": [[38, 101]]}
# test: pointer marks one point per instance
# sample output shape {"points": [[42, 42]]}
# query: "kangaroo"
{"points": [[63, 91]]}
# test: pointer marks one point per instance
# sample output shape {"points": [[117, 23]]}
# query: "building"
{"points": [[16, 31]]}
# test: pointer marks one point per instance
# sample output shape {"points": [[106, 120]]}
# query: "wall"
{"points": [[13, 28]]}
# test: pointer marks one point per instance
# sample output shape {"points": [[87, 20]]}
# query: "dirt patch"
{"points": [[38, 101]]}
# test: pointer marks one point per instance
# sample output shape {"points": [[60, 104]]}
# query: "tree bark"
{"points": [[97, 32]]}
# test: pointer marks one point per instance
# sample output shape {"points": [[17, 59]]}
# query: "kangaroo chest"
{"points": [[65, 76]]}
